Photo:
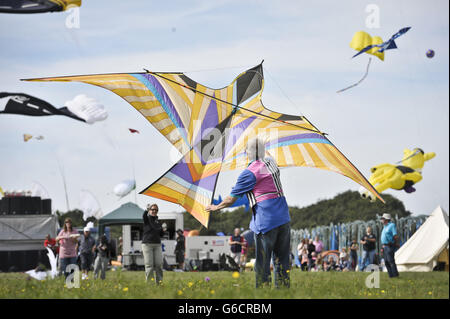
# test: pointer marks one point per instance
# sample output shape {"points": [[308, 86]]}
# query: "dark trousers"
{"points": [[274, 244], [389, 261]]}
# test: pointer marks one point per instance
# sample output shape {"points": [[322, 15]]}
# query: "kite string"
{"points": [[353, 85], [281, 90]]}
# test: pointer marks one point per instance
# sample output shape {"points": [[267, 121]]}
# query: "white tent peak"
{"points": [[422, 250]]}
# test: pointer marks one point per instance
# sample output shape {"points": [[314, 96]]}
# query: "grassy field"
{"points": [[223, 285]]}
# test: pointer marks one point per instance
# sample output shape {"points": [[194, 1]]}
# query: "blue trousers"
{"points": [[64, 262], [389, 261], [368, 258], [274, 244]]}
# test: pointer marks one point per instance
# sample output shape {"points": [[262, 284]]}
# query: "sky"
{"points": [[403, 102]]}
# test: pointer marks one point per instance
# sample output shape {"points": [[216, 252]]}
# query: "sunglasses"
{"points": [[153, 209]]}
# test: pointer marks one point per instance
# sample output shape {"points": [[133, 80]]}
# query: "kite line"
{"points": [[353, 85]]}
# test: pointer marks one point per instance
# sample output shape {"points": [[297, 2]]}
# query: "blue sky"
{"points": [[403, 103]]}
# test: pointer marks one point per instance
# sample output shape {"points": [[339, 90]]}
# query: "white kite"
{"points": [[41, 275], [89, 205], [87, 108], [39, 191], [124, 188]]}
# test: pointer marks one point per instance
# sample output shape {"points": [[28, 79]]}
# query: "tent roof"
{"points": [[128, 213], [427, 242]]}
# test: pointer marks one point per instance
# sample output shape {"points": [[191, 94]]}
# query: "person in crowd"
{"points": [[313, 265], [300, 247], [304, 259], [244, 252], [52, 244], [120, 250], [68, 243], [318, 244], [103, 255], [329, 264], [369, 245], [270, 219], [343, 259], [87, 248], [354, 254], [151, 244], [319, 262], [180, 249], [389, 242], [311, 249], [236, 242], [166, 233]]}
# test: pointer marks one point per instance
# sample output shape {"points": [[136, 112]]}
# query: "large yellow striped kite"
{"points": [[211, 127]]}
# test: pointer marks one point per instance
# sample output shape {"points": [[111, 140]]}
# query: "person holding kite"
{"points": [[270, 221], [151, 244]]}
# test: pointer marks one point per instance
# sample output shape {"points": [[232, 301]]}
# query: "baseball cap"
{"points": [[386, 216], [86, 229]]}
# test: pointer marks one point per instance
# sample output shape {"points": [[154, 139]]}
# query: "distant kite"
{"points": [[360, 38], [37, 6], [133, 130], [430, 53], [81, 108], [27, 137], [89, 205], [364, 43], [124, 188]]}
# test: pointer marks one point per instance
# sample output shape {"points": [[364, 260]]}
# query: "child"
{"points": [[101, 262]]}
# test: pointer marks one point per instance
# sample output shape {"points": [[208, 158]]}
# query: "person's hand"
{"points": [[211, 208]]}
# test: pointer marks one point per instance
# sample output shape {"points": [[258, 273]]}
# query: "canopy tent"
{"points": [[428, 245], [128, 213]]}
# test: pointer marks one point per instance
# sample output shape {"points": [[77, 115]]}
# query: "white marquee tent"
{"points": [[427, 246]]}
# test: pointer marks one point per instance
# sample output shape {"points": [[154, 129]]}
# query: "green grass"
{"points": [[187, 285]]}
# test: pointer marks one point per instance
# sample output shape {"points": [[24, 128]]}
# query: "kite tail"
{"points": [[362, 79]]}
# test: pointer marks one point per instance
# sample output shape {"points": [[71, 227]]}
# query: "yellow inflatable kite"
{"points": [[362, 40], [399, 177]]}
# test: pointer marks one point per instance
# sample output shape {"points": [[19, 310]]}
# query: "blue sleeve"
{"points": [[394, 230], [245, 183]]}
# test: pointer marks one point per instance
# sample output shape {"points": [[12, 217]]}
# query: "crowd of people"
{"points": [[312, 257], [71, 248]]}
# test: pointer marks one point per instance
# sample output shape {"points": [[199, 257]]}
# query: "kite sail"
{"points": [[37, 6], [211, 127]]}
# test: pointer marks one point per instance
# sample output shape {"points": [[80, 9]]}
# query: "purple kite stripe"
{"points": [[209, 122], [181, 169], [207, 182], [166, 99], [296, 137], [235, 132]]}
